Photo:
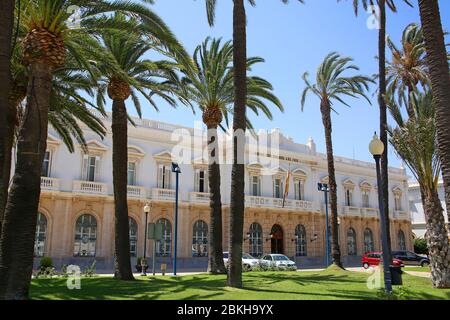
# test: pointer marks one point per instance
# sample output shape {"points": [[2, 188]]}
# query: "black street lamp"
{"points": [[376, 148], [144, 260], [324, 188], [176, 169]]}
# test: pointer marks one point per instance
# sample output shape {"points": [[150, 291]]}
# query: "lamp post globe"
{"points": [[376, 146]]}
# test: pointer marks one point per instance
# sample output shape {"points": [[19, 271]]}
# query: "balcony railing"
{"points": [[49, 183], [370, 212], [255, 201], [90, 187], [401, 215], [163, 194], [352, 211], [199, 197], [136, 192]]}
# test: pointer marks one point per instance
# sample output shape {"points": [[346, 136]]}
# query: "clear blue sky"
{"points": [[295, 38]]}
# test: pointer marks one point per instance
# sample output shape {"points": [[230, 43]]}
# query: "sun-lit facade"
{"points": [[76, 211]]}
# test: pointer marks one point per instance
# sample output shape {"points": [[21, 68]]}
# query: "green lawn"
{"points": [[417, 269], [329, 284]]}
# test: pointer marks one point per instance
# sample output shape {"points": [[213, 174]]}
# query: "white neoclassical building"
{"points": [[75, 222]]}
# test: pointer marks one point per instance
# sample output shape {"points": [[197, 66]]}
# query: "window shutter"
{"points": [[197, 180], [84, 166], [168, 177], [259, 186], [206, 186], [160, 176], [97, 169], [297, 190]]}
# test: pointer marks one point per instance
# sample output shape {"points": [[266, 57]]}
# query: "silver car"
{"points": [[248, 262], [278, 260]]}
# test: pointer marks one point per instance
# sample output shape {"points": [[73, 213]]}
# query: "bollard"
{"points": [[163, 268]]}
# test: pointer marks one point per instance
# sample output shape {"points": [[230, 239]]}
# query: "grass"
{"points": [[330, 284], [417, 269]]}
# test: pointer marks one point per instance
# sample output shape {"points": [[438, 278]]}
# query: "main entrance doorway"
{"points": [[276, 235]]}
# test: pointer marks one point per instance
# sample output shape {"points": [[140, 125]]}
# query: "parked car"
{"points": [[278, 260], [374, 258], [248, 262], [411, 258]]}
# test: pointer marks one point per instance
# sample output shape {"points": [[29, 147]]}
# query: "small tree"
{"points": [[420, 246]]}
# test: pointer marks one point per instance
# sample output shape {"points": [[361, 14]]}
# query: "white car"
{"points": [[248, 262], [278, 260]]}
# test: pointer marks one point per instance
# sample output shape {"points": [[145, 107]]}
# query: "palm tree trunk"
{"points": [[437, 240], [326, 119], [237, 208], [215, 261], [440, 84], [383, 121], [18, 236], [6, 26], [122, 262]]}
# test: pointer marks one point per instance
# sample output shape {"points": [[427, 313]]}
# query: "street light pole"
{"points": [[177, 171], [376, 147], [143, 266], [324, 188]]}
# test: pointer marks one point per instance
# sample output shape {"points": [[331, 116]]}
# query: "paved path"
{"points": [[419, 274]]}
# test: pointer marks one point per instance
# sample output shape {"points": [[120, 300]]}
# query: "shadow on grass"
{"points": [[287, 285]]}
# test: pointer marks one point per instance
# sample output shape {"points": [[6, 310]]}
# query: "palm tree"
{"points": [[440, 84], [407, 69], [414, 140], [211, 88], [6, 29], [381, 15], [128, 74], [48, 39], [234, 278], [332, 85]]}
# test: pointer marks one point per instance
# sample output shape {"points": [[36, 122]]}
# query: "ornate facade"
{"points": [[75, 224]]}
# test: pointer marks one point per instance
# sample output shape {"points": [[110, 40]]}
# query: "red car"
{"points": [[373, 259]]}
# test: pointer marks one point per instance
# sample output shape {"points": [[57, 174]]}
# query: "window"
{"points": [[348, 197], [397, 202], [133, 236], [351, 242], [201, 180], [368, 241], [200, 239], [365, 199], [90, 167], [300, 240], [277, 188], [401, 240], [256, 186], [299, 190], [85, 236], [164, 176], [164, 246], [255, 240], [131, 173], [41, 234], [45, 171]]}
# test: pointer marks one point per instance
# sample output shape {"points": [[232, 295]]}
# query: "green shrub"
{"points": [[46, 262], [420, 246]]}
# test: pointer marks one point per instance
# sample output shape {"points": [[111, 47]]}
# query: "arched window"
{"points": [[164, 246], [200, 239], [300, 240], [351, 242], [401, 240], [368, 241], [85, 236], [41, 234], [133, 236], [255, 240]]}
